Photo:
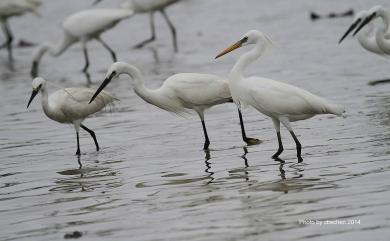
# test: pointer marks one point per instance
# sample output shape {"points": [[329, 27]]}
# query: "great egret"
{"points": [[82, 27], [179, 93], [280, 101], [70, 105], [11, 8], [151, 6]]}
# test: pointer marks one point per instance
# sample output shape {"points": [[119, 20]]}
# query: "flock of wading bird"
{"points": [[282, 102]]}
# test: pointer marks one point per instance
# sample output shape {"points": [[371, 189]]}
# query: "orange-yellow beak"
{"points": [[230, 49]]}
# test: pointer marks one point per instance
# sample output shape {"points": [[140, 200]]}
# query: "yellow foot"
{"points": [[252, 141]]}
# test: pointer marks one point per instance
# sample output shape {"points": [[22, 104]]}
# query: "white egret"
{"points": [[179, 93], [282, 102], [82, 27], [152, 6], [11, 8], [70, 105], [366, 38], [382, 31], [379, 43]]}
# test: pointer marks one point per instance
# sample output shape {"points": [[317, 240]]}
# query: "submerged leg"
{"points": [[277, 128], [92, 133], [172, 28], [78, 144], [86, 57], [248, 140], [113, 55], [298, 145], [8, 42], [153, 37]]}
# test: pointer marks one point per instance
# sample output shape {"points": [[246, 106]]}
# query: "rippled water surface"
{"points": [[152, 180]]}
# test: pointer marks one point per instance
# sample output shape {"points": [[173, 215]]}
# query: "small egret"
{"points": [[280, 101], [82, 27], [11, 8], [152, 6], [378, 42], [70, 105], [179, 93], [382, 31], [366, 38]]}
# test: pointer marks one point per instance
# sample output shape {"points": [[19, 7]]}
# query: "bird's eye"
{"points": [[244, 39]]}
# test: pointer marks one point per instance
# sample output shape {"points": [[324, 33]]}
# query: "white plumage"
{"points": [[280, 101], [366, 37], [11, 8], [82, 27], [179, 93], [70, 105]]}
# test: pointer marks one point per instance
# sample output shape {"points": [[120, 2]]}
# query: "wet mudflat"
{"points": [[152, 180]]}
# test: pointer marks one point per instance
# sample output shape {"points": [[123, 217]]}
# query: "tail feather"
{"points": [[335, 109]]}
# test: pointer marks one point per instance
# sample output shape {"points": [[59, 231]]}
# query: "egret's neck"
{"points": [[246, 59], [45, 100], [386, 18], [366, 38], [140, 89], [53, 49]]}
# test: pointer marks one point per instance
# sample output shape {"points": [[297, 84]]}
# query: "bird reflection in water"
{"points": [[208, 166], [246, 163]]}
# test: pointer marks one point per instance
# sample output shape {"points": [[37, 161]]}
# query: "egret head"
{"points": [[251, 37], [373, 13], [36, 87], [113, 72], [360, 16]]}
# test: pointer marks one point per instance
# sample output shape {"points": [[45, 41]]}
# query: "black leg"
{"points": [[78, 144], [113, 55], [248, 140], [206, 137], [299, 146], [172, 28], [86, 58], [280, 149], [92, 133], [153, 37], [8, 42]]}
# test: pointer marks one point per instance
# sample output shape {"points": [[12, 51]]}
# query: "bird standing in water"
{"points": [[82, 27], [179, 93], [11, 8], [282, 102], [70, 106]]}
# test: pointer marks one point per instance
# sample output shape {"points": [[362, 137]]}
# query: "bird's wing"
{"points": [[282, 99], [199, 89], [73, 102], [94, 21]]}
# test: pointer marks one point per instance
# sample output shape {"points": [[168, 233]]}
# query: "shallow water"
{"points": [[152, 180]]}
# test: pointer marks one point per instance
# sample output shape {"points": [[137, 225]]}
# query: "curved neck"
{"points": [[45, 100], [367, 39], [386, 18], [247, 59], [53, 49], [140, 89]]}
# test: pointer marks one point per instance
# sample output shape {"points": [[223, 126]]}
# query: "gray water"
{"points": [[152, 180]]}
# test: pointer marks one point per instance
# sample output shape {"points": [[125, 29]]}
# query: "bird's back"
{"points": [[10, 8], [72, 103], [195, 89], [92, 22], [142, 6], [277, 98]]}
